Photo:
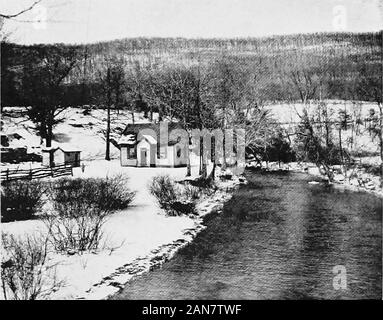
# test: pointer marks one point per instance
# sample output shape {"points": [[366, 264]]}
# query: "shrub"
{"points": [[164, 189], [25, 271], [107, 194], [76, 227], [114, 194], [20, 200], [191, 192], [174, 200], [81, 207]]}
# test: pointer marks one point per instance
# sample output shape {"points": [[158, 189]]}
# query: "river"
{"points": [[279, 237]]}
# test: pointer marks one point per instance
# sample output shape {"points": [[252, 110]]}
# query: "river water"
{"points": [[279, 237]]}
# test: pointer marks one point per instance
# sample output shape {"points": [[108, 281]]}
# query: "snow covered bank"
{"points": [[138, 239], [362, 182]]}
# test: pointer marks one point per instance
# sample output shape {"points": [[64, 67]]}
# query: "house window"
{"points": [[132, 153]]}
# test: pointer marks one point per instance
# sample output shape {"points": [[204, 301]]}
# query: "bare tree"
{"points": [[112, 81], [43, 85]]}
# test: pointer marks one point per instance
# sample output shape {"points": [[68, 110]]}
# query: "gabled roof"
{"points": [[64, 147], [127, 139], [134, 129], [148, 138]]}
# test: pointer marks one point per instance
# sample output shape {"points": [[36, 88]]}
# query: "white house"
{"points": [[144, 150]]}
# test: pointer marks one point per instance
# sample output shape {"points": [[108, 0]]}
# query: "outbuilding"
{"points": [[55, 156]]}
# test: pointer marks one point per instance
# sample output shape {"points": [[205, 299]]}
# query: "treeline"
{"points": [[323, 65]]}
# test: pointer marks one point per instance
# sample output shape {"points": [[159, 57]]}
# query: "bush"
{"points": [[108, 194], [76, 227], [25, 271], [164, 189], [114, 194], [172, 198], [20, 200], [81, 207], [191, 192]]}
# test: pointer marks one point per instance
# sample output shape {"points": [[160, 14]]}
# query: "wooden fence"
{"points": [[36, 173]]}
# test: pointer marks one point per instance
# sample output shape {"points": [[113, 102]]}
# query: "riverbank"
{"points": [[115, 282], [364, 182], [279, 237], [138, 239]]}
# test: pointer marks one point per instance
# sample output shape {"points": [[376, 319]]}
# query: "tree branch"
{"points": [[11, 16]]}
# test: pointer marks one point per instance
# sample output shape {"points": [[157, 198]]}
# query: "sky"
{"points": [[86, 21]]}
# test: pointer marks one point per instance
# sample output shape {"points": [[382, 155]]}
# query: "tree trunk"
{"points": [[188, 166], [200, 171], [341, 152], [107, 151], [381, 143], [49, 135], [133, 116], [213, 171]]}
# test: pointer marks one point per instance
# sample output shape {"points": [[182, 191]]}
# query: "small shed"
{"points": [[55, 156]]}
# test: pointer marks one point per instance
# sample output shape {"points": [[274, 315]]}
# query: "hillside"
{"points": [[338, 61]]}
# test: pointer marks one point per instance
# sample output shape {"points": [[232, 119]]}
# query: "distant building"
{"points": [[55, 156], [144, 150]]}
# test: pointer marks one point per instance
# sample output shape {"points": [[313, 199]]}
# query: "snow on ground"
{"points": [[85, 132], [289, 112], [289, 115], [138, 235], [131, 234]]}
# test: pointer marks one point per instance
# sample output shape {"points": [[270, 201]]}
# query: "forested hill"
{"points": [[294, 67]]}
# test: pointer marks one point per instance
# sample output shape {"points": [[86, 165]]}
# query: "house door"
{"points": [[144, 157], [76, 160], [51, 159]]}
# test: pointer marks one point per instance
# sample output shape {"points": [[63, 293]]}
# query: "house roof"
{"points": [[149, 138], [127, 139], [134, 129], [64, 147]]}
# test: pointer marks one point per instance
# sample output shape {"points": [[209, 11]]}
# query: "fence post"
{"points": [[30, 174], [51, 171], [7, 174]]}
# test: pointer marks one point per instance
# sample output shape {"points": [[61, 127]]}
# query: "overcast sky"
{"points": [[79, 21]]}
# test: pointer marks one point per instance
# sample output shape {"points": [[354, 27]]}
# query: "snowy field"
{"points": [[131, 234], [85, 132], [288, 114], [135, 234]]}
